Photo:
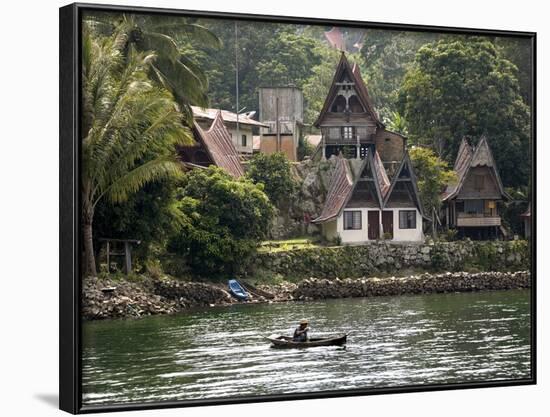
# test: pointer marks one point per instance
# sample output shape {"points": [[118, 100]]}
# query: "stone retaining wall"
{"points": [[311, 289], [385, 257]]}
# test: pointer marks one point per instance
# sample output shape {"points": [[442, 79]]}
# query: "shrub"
{"points": [[223, 221]]}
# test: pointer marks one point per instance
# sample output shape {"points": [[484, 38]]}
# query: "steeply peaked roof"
{"points": [[354, 75], [219, 146], [468, 158], [339, 191], [381, 175], [342, 184], [410, 180]]}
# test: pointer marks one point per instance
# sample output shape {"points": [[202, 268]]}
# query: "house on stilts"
{"points": [[472, 205]]}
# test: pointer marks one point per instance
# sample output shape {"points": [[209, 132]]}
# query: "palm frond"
{"points": [[135, 179]]}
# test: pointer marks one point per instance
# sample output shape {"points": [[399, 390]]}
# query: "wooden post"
{"points": [[108, 259], [127, 258], [277, 127]]}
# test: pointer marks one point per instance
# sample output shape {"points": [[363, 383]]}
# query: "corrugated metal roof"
{"points": [[219, 145], [381, 175], [200, 113], [340, 189]]}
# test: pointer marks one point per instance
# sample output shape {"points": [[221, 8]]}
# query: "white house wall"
{"points": [[243, 130], [406, 235], [360, 236]]}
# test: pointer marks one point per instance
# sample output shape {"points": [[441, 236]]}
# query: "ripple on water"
{"points": [[393, 341]]}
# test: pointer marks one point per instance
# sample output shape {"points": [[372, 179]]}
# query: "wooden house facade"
{"points": [[349, 123], [362, 204], [213, 146], [473, 203]]}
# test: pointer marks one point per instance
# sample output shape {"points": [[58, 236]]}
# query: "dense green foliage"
{"points": [[433, 175], [223, 220], [150, 215], [163, 36], [463, 88], [141, 73], [274, 174], [266, 54], [388, 55], [126, 119]]}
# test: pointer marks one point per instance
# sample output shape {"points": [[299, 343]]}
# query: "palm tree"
{"points": [[172, 69], [130, 127]]}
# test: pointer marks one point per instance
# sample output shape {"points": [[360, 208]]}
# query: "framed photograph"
{"points": [[260, 208]]}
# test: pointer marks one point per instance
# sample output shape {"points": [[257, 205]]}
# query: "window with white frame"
{"points": [[407, 219], [347, 132], [352, 220]]}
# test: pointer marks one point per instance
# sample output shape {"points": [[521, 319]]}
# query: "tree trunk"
{"points": [[89, 255], [434, 224]]}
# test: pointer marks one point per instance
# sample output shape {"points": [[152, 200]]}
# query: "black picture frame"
{"points": [[69, 205]]}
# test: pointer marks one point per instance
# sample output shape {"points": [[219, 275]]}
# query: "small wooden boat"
{"points": [[237, 290], [287, 342]]}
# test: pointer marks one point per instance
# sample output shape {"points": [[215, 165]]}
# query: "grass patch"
{"points": [[289, 244]]}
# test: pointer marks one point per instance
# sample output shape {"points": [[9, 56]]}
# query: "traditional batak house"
{"points": [[472, 204], [362, 204], [213, 146], [240, 128], [350, 125]]}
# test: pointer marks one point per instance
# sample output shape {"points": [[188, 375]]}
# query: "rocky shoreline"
{"points": [[104, 298]]}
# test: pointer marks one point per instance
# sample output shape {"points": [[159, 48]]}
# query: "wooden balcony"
{"points": [[341, 140], [476, 220]]}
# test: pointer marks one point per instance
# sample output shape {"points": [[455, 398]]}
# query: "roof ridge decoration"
{"points": [[406, 162], [361, 89], [219, 145]]}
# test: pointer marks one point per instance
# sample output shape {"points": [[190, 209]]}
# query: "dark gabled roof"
{"points": [[339, 191], [468, 158], [362, 91], [219, 146], [381, 176], [342, 185], [406, 162]]}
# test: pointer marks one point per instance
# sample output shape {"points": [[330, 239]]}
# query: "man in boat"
{"points": [[300, 334]]}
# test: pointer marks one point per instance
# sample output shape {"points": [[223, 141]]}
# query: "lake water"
{"points": [[393, 341]]}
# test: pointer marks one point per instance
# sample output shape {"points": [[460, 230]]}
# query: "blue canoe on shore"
{"points": [[237, 290]]}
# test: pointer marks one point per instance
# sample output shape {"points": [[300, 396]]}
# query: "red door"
{"points": [[374, 225], [387, 223]]}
